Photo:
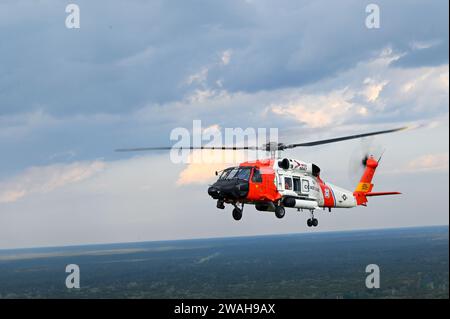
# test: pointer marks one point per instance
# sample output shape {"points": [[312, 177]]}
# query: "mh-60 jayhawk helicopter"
{"points": [[276, 183]]}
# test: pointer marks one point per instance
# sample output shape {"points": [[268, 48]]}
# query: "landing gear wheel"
{"points": [[280, 211], [237, 213], [309, 222], [315, 222]]}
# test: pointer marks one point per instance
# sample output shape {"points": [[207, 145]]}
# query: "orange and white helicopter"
{"points": [[276, 183]]}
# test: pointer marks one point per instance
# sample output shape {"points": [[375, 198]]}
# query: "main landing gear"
{"points": [[237, 212], [280, 211], [312, 221]]}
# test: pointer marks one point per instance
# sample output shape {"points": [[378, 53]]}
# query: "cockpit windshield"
{"points": [[224, 174], [242, 173]]}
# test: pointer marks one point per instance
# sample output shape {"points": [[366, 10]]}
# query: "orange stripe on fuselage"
{"points": [[328, 195]]}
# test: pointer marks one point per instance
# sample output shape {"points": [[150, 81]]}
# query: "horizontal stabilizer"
{"points": [[382, 193]]}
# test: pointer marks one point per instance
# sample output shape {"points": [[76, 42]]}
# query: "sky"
{"points": [[134, 71]]}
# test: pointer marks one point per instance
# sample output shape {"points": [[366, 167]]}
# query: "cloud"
{"points": [[421, 45], [373, 89], [426, 53], [430, 162], [11, 196], [135, 71], [226, 57], [199, 173], [318, 111], [43, 180], [246, 46], [199, 77], [138, 58], [202, 165], [136, 200], [426, 162], [345, 101]]}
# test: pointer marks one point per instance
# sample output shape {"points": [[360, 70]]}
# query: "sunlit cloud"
{"points": [[429, 162], [373, 89], [321, 110], [203, 164], [45, 179], [226, 57]]}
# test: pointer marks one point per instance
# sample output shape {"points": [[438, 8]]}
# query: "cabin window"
{"points": [[297, 185], [287, 183], [257, 178]]}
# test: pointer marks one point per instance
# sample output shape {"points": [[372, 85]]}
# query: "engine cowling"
{"points": [[300, 166]]}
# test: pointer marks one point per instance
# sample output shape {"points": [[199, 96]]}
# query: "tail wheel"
{"points": [[237, 213], [280, 211]]}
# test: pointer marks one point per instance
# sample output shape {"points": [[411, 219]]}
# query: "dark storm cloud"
{"points": [[127, 55], [324, 37], [124, 55]]}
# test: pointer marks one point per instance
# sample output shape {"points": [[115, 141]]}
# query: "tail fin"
{"points": [[365, 186]]}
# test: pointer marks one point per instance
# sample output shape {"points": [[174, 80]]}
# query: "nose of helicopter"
{"points": [[229, 189]]}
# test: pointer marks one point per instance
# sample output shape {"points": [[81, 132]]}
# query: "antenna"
{"points": [[381, 156]]}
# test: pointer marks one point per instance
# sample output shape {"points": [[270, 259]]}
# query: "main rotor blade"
{"points": [[266, 147], [166, 148], [344, 138]]}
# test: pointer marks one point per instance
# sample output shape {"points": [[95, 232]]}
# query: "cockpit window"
{"points": [[233, 173], [257, 178], [236, 173], [244, 173], [224, 174]]}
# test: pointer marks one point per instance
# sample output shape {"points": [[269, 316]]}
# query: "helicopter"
{"points": [[276, 183]]}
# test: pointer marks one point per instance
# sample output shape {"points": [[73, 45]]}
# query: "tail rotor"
{"points": [[359, 157]]}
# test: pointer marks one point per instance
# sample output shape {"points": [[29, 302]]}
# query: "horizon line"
{"points": [[220, 237]]}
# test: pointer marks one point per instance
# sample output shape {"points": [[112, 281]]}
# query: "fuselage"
{"points": [[287, 182]]}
